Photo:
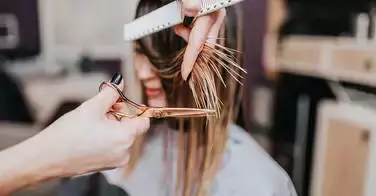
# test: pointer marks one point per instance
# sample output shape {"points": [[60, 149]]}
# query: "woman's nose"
{"points": [[145, 71]]}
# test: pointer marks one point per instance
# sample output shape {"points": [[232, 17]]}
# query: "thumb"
{"points": [[108, 96]]}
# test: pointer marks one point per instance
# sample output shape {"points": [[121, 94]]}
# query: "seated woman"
{"points": [[193, 156]]}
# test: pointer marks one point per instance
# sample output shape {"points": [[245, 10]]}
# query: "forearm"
{"points": [[83, 140], [26, 164]]}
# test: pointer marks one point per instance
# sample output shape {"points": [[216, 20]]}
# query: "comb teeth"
{"points": [[208, 6], [168, 16]]}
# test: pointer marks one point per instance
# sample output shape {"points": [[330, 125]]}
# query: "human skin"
{"points": [[205, 29], [84, 140]]}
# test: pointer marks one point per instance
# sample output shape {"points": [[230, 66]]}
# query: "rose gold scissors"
{"points": [[125, 108]]}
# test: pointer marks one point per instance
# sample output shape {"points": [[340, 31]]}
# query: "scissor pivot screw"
{"points": [[158, 114]]}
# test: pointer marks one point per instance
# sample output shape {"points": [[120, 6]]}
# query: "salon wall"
{"points": [[94, 27], [71, 28], [94, 22]]}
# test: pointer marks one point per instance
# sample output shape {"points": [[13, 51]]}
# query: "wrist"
{"points": [[26, 164], [56, 156]]}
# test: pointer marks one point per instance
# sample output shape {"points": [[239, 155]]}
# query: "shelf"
{"points": [[333, 58]]}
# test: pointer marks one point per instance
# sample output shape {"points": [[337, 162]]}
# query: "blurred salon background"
{"points": [[308, 98]]}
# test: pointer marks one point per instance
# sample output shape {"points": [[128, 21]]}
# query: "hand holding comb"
{"points": [[168, 16]]}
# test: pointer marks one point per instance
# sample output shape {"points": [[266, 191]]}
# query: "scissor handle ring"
{"points": [[119, 115]]}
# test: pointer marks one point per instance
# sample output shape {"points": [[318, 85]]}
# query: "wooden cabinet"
{"points": [[345, 151], [305, 52], [354, 59], [333, 58]]}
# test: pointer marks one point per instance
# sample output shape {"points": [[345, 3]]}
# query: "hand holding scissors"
{"points": [[83, 140], [126, 108]]}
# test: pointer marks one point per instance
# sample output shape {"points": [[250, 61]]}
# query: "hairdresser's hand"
{"points": [[89, 139], [84, 140], [204, 29]]}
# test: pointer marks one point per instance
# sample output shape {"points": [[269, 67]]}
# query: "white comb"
{"points": [[168, 16]]}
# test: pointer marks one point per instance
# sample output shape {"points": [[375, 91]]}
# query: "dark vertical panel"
{"points": [[255, 12], [26, 16]]}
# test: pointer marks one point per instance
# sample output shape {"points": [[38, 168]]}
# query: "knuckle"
{"points": [[192, 5]]}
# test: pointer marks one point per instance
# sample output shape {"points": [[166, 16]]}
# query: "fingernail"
{"points": [[188, 21], [116, 79]]}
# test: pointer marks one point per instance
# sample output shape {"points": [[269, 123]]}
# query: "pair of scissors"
{"points": [[126, 108]]}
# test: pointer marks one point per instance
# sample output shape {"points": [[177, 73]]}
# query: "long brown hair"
{"points": [[213, 84]]}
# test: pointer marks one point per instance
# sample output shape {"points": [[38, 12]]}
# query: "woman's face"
{"points": [[155, 95]]}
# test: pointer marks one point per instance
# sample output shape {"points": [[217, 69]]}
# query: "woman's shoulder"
{"points": [[248, 168], [244, 146]]}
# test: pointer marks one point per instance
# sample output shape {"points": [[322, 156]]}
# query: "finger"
{"points": [[214, 31], [103, 169], [108, 96], [129, 137], [137, 125], [122, 108], [190, 7], [143, 125], [111, 116], [196, 41], [182, 31]]}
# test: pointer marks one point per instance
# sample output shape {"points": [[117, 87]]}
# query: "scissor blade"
{"points": [[190, 114], [182, 112]]}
